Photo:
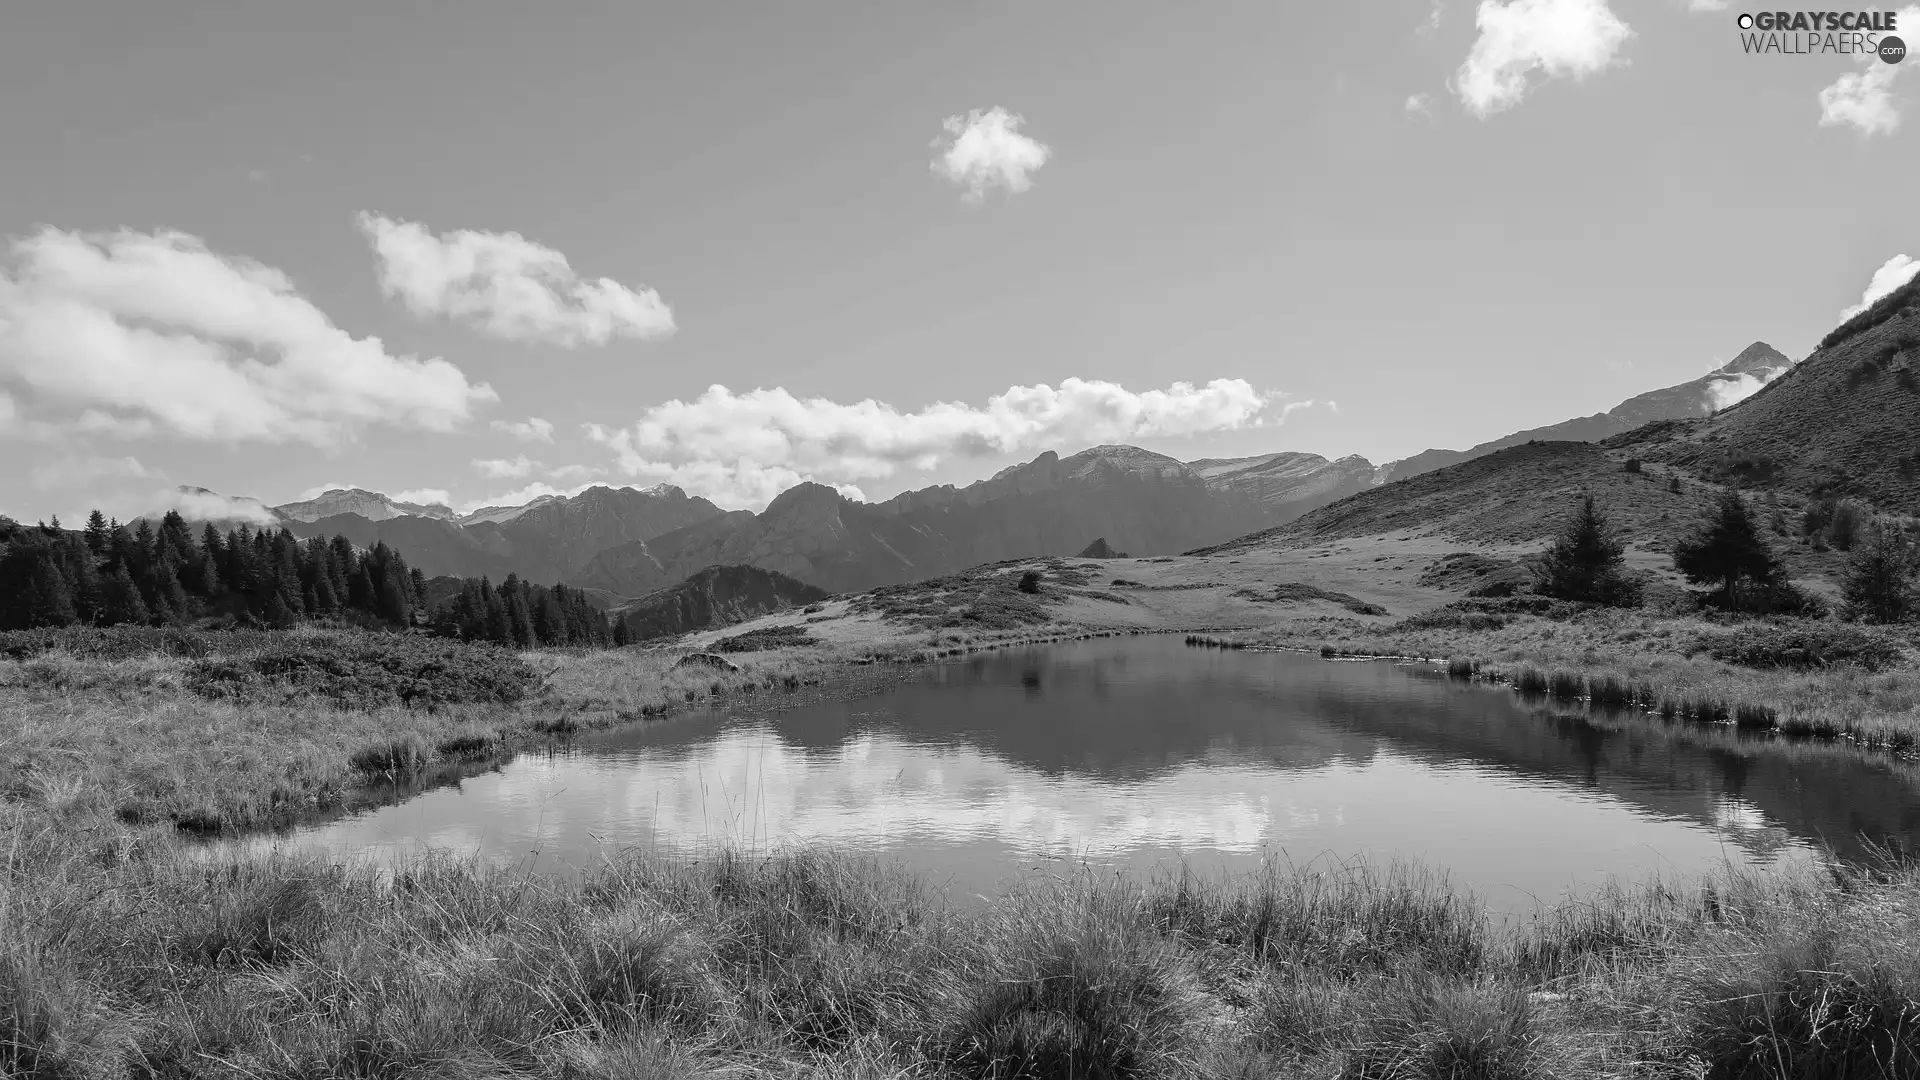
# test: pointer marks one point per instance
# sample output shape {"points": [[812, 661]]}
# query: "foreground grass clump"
{"points": [[817, 963]]}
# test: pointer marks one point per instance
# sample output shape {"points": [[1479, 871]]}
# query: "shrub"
{"points": [[1030, 581], [1673, 484], [1879, 583], [1803, 645], [1844, 530], [1632, 465], [357, 670], [769, 637]]}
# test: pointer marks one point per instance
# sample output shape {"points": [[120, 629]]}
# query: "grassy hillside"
{"points": [[1514, 496], [716, 596], [1845, 421]]}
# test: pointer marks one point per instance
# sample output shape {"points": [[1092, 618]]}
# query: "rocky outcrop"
{"points": [[1100, 549]]}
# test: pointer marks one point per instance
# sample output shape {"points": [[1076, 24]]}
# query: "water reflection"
{"points": [[1132, 752]]}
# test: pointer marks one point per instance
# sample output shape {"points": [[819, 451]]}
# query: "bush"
{"points": [[1632, 466], [112, 643], [1030, 581], [769, 637], [367, 671], [1803, 645], [1879, 584]]}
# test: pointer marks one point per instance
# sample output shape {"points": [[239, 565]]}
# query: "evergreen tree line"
{"points": [[520, 615], [108, 574], [1730, 553]]}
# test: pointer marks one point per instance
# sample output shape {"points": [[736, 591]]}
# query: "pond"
{"points": [[1142, 753]]}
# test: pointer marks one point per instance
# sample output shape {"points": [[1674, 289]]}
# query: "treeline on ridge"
{"points": [[110, 574]]}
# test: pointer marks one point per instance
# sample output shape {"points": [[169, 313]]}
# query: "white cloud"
{"points": [[1420, 105], [209, 506], [574, 472], [532, 429], [424, 496], [1864, 99], [742, 449], [1723, 393], [133, 328], [508, 286], [1524, 41], [71, 470], [520, 496], [1435, 11], [504, 468], [1892, 274], [985, 149]]}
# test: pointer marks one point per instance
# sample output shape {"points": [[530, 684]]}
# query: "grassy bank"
{"points": [[1795, 677]]}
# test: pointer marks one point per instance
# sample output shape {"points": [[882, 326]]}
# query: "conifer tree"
{"points": [[120, 600], [1728, 551], [1586, 562], [96, 532], [46, 600], [1879, 584]]}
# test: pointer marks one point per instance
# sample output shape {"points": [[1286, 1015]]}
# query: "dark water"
{"points": [[1140, 752]]}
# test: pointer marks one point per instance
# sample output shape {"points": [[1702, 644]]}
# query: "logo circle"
{"points": [[1892, 49], [1746, 22]]}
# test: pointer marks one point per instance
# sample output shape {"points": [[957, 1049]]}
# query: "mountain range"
{"points": [[631, 543]]}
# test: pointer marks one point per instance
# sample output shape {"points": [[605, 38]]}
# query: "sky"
{"points": [[474, 253]]}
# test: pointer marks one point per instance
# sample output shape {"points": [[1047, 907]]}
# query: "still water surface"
{"points": [[1140, 753]]}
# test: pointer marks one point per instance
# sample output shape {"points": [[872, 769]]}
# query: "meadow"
{"points": [[126, 952]]}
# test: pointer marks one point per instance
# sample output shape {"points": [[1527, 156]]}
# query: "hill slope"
{"points": [[1514, 496], [1845, 421], [1757, 365], [716, 596]]}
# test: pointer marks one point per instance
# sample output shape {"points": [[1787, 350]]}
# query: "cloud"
{"points": [[1892, 274], [1730, 391], [9, 412], [1522, 42], [520, 496], [1436, 9], [532, 429], [196, 505], [574, 472], [154, 328], [509, 287], [984, 150], [73, 470], [1864, 99], [504, 469], [742, 449], [426, 496], [1420, 105]]}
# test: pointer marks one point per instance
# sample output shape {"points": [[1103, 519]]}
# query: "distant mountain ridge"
{"points": [[1139, 501], [1757, 365], [368, 504]]}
